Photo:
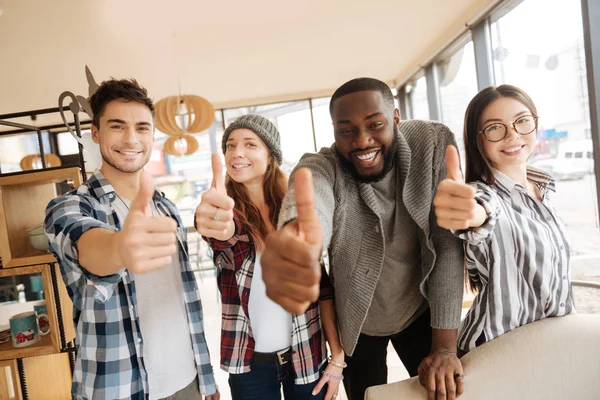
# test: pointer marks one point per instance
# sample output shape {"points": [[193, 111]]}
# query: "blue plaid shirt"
{"points": [[109, 343]]}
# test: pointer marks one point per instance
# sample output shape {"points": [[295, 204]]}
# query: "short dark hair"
{"points": [[476, 165], [363, 85], [123, 90]]}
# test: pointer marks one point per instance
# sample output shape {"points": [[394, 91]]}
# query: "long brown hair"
{"points": [[274, 187], [477, 167]]}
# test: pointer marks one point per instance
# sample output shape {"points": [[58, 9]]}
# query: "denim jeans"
{"points": [[264, 382]]}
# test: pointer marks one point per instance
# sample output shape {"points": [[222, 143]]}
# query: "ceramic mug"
{"points": [[42, 317], [24, 329]]}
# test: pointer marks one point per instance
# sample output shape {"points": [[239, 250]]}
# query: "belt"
{"points": [[279, 357]]}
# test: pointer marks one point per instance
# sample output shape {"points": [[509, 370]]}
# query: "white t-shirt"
{"points": [[271, 324], [167, 344]]}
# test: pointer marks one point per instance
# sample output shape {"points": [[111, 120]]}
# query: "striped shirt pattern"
{"points": [[519, 260], [109, 343]]}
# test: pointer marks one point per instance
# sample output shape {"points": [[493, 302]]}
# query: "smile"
{"points": [[128, 153], [513, 150]]}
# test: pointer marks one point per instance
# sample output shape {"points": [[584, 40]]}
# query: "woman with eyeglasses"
{"points": [[517, 252]]}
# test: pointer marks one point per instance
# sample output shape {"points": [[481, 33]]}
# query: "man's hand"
{"points": [[441, 373], [455, 205], [214, 215], [290, 261], [146, 243]]}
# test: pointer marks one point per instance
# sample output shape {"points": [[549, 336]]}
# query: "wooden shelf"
{"points": [[42, 347], [23, 201], [48, 344]]}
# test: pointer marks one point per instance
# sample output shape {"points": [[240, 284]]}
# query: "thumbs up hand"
{"points": [[146, 243], [290, 260], [455, 205], [214, 214]]}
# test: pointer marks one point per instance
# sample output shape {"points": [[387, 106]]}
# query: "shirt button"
{"points": [[377, 228], [548, 219], [562, 304], [139, 340], [562, 247]]}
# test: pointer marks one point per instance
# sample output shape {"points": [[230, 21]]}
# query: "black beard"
{"points": [[389, 161]]}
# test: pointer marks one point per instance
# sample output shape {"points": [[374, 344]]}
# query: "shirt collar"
{"points": [[543, 180], [100, 186]]}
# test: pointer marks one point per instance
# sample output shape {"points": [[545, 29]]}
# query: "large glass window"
{"points": [[417, 95], [458, 85], [294, 124], [323, 124], [538, 46], [14, 148]]}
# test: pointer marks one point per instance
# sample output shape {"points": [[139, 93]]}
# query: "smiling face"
{"points": [[246, 157], [125, 135], [364, 133], [513, 151]]}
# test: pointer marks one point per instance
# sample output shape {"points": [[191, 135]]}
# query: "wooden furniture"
{"points": [[23, 200], [42, 370], [9, 381]]}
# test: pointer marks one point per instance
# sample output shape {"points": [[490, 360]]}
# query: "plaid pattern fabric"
{"points": [[235, 261], [109, 343]]}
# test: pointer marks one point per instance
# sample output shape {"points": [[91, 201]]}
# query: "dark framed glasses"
{"points": [[523, 125]]}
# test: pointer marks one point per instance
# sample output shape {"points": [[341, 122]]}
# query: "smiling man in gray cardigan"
{"points": [[396, 276]]}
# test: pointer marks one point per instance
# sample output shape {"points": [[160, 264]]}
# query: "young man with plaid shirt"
{"points": [[123, 255]]}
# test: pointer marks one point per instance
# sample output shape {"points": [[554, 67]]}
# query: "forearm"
{"points": [[444, 340], [329, 323], [99, 252]]}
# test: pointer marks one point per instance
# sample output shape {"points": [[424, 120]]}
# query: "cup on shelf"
{"points": [[42, 317], [24, 329]]}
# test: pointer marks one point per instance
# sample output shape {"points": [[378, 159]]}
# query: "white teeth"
{"points": [[241, 166], [513, 149], [367, 157], [129, 153]]}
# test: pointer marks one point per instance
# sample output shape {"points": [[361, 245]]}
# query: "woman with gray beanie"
{"points": [[263, 347]]}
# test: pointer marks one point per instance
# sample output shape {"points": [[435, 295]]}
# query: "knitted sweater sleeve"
{"points": [[445, 283], [322, 167]]}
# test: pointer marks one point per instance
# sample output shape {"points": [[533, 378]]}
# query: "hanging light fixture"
{"points": [[177, 116]]}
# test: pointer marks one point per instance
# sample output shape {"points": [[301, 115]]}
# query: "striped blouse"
{"points": [[519, 260]]}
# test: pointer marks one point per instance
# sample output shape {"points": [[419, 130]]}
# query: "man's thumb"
{"points": [[141, 203], [308, 222], [453, 165]]}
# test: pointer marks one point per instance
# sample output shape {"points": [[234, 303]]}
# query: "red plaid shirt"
{"points": [[235, 260]]}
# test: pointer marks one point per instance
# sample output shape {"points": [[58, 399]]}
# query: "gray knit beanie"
{"points": [[262, 127]]}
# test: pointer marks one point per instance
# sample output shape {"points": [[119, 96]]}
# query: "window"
{"points": [[458, 85], [417, 95], [14, 148], [294, 124], [538, 46], [323, 124]]}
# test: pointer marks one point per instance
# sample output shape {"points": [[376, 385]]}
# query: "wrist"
{"points": [[117, 258], [340, 364]]}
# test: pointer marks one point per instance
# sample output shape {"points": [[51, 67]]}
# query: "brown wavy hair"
{"points": [[274, 188]]}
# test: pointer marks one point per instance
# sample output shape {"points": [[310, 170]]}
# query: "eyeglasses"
{"points": [[523, 125]]}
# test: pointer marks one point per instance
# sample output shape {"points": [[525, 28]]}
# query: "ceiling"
{"points": [[231, 52]]}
